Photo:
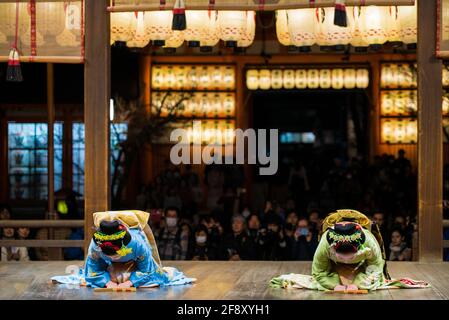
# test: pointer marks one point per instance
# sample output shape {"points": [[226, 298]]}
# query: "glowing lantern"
{"points": [[325, 78], [158, 27], [338, 79], [252, 79], [349, 78], [264, 79], [209, 35], [362, 78], [399, 131], [122, 26], [376, 33], [301, 79], [408, 22], [332, 34], [175, 40], [289, 79], [313, 78], [358, 29], [195, 25], [250, 30], [282, 28], [302, 28], [141, 38], [276, 79], [232, 25], [393, 26], [228, 77]]}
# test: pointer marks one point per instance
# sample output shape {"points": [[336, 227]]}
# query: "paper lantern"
{"points": [[349, 78], [196, 24], [247, 37], [393, 26], [210, 36], [445, 76], [282, 28], [252, 79], [445, 106], [362, 78], [175, 40], [333, 35], [313, 79], [301, 79], [232, 25], [408, 20], [302, 28], [288, 79], [276, 79], [358, 28], [338, 79], [228, 77], [158, 27], [205, 78], [122, 28], [376, 30], [264, 79], [325, 78], [140, 38], [399, 131]]}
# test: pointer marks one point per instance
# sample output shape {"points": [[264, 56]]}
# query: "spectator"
{"points": [[201, 249], [13, 253], [186, 241], [398, 247], [305, 242], [237, 245], [168, 238], [272, 241]]}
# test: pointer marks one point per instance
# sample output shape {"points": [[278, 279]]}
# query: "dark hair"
{"points": [[171, 209], [201, 227], [398, 230]]}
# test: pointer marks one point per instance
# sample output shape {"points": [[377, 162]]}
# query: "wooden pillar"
{"points": [[430, 137], [96, 112], [146, 163], [51, 144]]}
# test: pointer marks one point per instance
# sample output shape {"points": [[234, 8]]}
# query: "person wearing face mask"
{"points": [[272, 241], [168, 236], [201, 250]]}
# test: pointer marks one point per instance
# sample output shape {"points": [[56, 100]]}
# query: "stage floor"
{"points": [[217, 280]]}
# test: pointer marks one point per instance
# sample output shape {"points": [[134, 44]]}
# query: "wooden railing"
{"points": [[37, 243]]}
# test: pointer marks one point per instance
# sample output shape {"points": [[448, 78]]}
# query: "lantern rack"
{"points": [[398, 102]]}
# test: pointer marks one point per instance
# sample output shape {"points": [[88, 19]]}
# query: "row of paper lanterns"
{"points": [[404, 103], [58, 20], [199, 105], [405, 75], [205, 28], [367, 26], [337, 78], [395, 131], [192, 77]]}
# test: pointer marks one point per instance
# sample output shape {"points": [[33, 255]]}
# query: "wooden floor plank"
{"points": [[217, 280]]}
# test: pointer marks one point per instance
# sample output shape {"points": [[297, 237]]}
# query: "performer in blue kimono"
{"points": [[122, 254], [121, 257]]}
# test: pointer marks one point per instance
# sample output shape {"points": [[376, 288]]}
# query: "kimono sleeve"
{"points": [[322, 267], [146, 267], [95, 270]]}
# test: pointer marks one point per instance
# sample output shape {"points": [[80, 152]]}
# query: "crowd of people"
{"points": [[218, 223]]}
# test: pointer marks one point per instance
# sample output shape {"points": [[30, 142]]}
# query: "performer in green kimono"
{"points": [[350, 256]]}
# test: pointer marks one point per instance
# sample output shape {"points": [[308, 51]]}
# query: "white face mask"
{"points": [[171, 222], [201, 239]]}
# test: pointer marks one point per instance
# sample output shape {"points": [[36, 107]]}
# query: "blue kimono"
{"points": [[147, 271]]}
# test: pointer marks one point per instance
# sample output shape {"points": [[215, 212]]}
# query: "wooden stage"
{"points": [[221, 280]]}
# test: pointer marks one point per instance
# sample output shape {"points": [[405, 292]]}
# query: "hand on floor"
{"points": [[351, 287], [340, 287], [126, 284], [111, 284]]}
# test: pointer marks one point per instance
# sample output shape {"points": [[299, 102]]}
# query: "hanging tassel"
{"points": [[340, 14], [13, 72], [179, 16]]}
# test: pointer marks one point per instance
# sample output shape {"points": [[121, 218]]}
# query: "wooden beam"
{"points": [[41, 223], [430, 137], [96, 112], [51, 144], [42, 243]]}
